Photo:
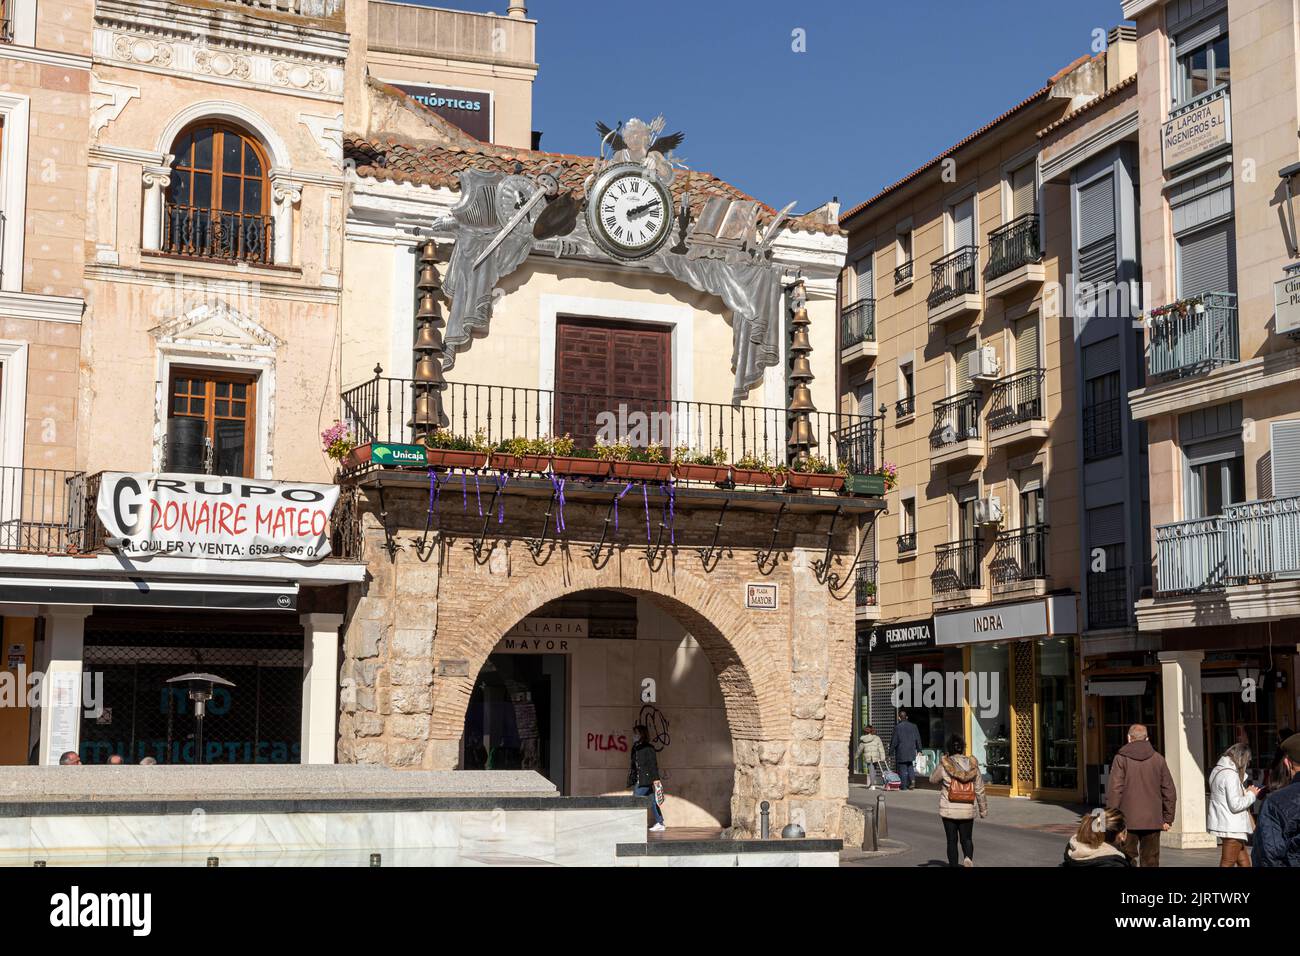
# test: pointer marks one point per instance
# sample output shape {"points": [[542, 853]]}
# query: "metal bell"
{"points": [[801, 399], [428, 370], [801, 369], [428, 338], [801, 435]]}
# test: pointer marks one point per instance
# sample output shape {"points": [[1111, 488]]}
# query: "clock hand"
{"points": [[637, 211]]}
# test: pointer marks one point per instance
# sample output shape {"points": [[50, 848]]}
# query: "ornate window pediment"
{"points": [[216, 326]]}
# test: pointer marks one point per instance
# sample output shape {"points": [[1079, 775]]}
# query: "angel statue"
{"points": [[637, 141]]}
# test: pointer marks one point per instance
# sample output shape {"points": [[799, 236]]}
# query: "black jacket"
{"points": [[645, 766]]}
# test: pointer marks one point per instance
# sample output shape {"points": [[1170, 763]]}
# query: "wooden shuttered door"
{"points": [[615, 368]]}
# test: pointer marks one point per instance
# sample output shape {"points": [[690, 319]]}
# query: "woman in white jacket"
{"points": [[1230, 802]]}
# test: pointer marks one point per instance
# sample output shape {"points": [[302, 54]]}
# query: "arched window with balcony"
{"points": [[218, 203]]}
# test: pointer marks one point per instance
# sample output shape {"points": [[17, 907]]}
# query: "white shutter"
{"points": [[963, 223], [963, 355], [1027, 343], [1285, 455], [1022, 190]]}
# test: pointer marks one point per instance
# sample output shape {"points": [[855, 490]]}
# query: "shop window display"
{"points": [[990, 735], [1058, 728]]}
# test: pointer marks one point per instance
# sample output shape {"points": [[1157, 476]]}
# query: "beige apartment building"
{"points": [[1218, 112], [45, 106], [955, 322]]}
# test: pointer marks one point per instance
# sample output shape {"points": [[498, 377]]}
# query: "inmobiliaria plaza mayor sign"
{"points": [[211, 516]]}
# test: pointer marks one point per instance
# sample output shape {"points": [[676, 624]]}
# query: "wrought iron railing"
{"points": [[42, 510], [1103, 424], [905, 406], [1016, 399], [1190, 555], [865, 584], [201, 233], [1014, 245], [1108, 600], [955, 274], [858, 323], [380, 410], [907, 543], [956, 567], [1019, 555], [1199, 334], [956, 419], [903, 273]]}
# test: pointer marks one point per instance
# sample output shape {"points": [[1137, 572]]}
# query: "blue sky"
{"points": [[881, 88]]}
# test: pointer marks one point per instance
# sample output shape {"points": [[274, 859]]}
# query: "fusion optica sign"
{"points": [[210, 516]]}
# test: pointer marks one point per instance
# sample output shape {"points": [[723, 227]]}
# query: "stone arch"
{"points": [[755, 689], [235, 113]]}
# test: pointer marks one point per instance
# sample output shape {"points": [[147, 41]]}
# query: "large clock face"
{"points": [[628, 213]]}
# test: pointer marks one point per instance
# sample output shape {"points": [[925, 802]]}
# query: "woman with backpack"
{"points": [[1230, 802], [961, 793], [1099, 842]]}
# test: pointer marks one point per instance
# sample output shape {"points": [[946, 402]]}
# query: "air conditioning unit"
{"points": [[988, 510], [947, 434], [984, 363]]}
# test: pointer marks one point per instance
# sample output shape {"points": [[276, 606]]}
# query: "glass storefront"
{"points": [[990, 723], [1056, 695], [515, 718]]}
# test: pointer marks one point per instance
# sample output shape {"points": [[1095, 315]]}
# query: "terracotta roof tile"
{"points": [[437, 164]]}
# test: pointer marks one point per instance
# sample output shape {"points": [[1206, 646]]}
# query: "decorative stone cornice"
{"points": [[1223, 384]]}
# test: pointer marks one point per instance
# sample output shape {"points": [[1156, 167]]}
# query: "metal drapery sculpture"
{"points": [[501, 218]]}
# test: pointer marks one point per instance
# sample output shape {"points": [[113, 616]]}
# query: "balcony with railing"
{"points": [[905, 407], [954, 286], [214, 235], [958, 576], [903, 275], [52, 511], [380, 411], [1015, 257], [956, 433], [1017, 408], [858, 330], [1193, 336], [865, 590], [1020, 560], [1250, 542], [907, 544]]}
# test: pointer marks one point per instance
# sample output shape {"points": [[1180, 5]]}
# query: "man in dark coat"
{"points": [[904, 746], [1277, 838], [1142, 789]]}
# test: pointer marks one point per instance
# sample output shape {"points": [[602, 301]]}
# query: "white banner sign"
{"points": [[213, 516]]}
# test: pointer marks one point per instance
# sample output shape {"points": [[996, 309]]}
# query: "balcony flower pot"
{"points": [[580, 467], [872, 486], [642, 470], [814, 481], [756, 476], [716, 474], [453, 458], [506, 461], [356, 457]]}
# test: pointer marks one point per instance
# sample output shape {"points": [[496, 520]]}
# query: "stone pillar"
{"points": [[284, 195], [320, 686], [61, 690], [156, 181], [1184, 748]]}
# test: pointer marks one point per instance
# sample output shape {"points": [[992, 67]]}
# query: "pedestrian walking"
{"points": [[903, 746], [961, 795], [1277, 839], [871, 756], [1228, 817], [643, 775], [1099, 842], [1276, 777], [1142, 789]]}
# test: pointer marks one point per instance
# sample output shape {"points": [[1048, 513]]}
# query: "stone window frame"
{"points": [[15, 112]]}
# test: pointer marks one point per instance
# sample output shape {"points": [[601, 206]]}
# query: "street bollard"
{"points": [[882, 821], [869, 836], [213, 861], [765, 820], [38, 862], [376, 859]]}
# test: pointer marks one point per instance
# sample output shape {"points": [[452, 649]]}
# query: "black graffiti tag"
{"points": [[656, 724]]}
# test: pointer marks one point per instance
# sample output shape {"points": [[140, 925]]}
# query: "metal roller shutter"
{"points": [[1207, 261], [1285, 438], [1022, 191]]}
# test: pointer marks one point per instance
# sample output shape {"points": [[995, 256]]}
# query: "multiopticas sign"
{"points": [[204, 516]]}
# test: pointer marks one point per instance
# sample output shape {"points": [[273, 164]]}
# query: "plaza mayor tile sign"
{"points": [[213, 516], [1195, 131]]}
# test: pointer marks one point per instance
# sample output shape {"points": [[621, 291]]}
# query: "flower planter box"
{"points": [[872, 486], [642, 470], [356, 458], [580, 467], [504, 461], [814, 481], [753, 476], [451, 458], [717, 474]]}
